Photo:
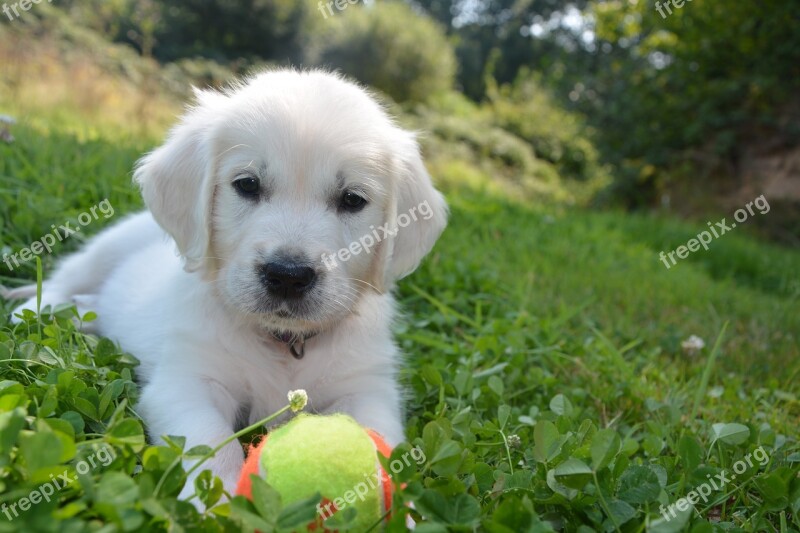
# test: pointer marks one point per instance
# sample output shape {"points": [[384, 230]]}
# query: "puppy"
{"points": [[294, 203]]}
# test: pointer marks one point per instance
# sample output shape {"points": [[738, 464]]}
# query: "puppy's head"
{"points": [[294, 193]]}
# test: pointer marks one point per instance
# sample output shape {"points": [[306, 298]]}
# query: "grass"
{"points": [[546, 381]]}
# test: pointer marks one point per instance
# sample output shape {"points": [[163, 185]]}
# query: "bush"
{"points": [[387, 46], [456, 140], [556, 135]]}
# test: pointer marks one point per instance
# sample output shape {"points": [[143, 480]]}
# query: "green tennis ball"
{"points": [[330, 455]]}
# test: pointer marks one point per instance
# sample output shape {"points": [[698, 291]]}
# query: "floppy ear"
{"points": [[177, 182], [418, 212]]}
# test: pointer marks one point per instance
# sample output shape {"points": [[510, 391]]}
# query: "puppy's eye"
{"points": [[247, 186], [352, 202]]}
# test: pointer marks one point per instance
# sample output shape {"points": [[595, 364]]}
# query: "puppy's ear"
{"points": [[177, 182], [419, 214]]}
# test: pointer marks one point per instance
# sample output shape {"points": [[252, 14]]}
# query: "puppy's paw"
{"points": [[189, 490], [26, 291], [226, 465], [50, 300], [30, 304]]}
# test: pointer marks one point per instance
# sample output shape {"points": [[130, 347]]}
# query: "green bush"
{"points": [[525, 109], [486, 142], [504, 162], [387, 46]]}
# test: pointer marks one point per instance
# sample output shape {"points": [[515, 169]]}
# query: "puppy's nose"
{"points": [[287, 279]]}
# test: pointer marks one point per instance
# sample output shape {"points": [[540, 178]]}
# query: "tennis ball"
{"points": [[330, 455]]}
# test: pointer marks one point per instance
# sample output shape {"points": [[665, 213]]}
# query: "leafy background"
{"points": [[547, 384]]}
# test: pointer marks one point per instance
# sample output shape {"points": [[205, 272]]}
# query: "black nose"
{"points": [[287, 279]]}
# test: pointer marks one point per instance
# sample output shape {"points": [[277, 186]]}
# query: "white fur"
{"points": [[198, 322]]}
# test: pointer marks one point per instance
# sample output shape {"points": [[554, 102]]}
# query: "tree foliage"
{"points": [[669, 91], [221, 30], [689, 90], [389, 47], [698, 85]]}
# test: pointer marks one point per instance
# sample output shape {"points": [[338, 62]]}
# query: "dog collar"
{"points": [[295, 343]]}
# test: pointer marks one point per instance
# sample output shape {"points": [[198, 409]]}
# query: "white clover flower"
{"points": [[5, 128], [692, 345], [297, 400]]}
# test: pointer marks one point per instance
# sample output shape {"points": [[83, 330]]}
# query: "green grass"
{"points": [[547, 385]]}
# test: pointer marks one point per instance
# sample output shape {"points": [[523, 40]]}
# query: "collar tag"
{"points": [[298, 348], [295, 343]]}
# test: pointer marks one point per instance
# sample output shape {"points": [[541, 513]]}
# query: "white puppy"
{"points": [[294, 203]]}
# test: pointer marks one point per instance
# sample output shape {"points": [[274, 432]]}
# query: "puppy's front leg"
{"points": [[201, 410], [377, 411]]}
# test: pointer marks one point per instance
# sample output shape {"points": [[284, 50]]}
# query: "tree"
{"points": [[388, 46]]}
